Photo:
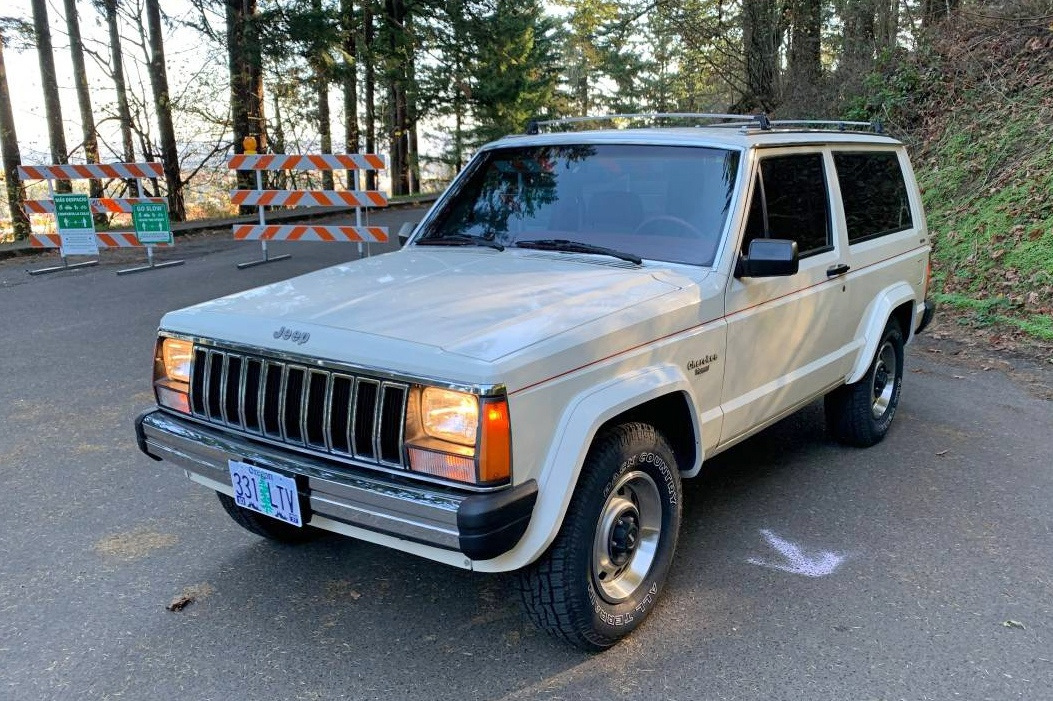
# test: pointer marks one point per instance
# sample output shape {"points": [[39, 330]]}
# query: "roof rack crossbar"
{"points": [[744, 121], [535, 126], [842, 125]]}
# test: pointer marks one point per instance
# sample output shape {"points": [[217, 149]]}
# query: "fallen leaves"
{"points": [[180, 602], [189, 595]]}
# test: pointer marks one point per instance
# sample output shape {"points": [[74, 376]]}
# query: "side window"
{"points": [[873, 193], [790, 202]]}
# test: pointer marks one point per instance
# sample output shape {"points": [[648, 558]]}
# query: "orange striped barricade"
{"points": [[92, 240], [261, 198]]}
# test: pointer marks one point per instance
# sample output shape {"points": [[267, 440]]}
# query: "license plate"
{"points": [[269, 493]]}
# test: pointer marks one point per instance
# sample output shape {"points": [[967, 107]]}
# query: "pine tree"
{"points": [[52, 104], [11, 156]]}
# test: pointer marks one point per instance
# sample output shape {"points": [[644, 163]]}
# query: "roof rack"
{"points": [[760, 121], [746, 122]]}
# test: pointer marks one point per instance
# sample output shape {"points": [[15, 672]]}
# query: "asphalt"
{"points": [[942, 588]]}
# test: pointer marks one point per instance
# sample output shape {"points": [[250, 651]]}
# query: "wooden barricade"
{"points": [[103, 205], [261, 198]]}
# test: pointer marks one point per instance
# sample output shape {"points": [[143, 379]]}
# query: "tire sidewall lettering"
{"points": [[639, 460], [625, 615]]}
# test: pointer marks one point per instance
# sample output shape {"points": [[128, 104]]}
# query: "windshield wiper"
{"points": [[460, 240], [565, 246]]}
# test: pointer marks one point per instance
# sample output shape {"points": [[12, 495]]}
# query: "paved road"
{"points": [[941, 536]]}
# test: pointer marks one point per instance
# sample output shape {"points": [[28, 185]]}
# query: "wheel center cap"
{"points": [[625, 536]]}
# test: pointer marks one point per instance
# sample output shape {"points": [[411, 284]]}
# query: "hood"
{"points": [[477, 303]]}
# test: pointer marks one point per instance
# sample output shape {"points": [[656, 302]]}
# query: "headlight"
{"points": [[459, 436], [172, 373], [450, 416], [176, 355]]}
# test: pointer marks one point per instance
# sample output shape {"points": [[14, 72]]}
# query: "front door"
{"points": [[789, 338]]}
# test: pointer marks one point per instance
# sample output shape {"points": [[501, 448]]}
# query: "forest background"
{"points": [[968, 84]]}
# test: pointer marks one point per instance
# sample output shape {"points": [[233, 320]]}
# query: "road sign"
{"points": [[151, 223], [75, 226]]}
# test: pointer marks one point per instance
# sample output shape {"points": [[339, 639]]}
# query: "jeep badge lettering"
{"points": [[297, 337]]}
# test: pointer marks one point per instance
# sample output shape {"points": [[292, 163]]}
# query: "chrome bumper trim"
{"points": [[412, 513]]}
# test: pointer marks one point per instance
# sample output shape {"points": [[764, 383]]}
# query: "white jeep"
{"points": [[578, 324]]}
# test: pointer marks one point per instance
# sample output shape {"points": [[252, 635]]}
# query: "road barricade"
{"points": [[73, 214], [261, 198]]}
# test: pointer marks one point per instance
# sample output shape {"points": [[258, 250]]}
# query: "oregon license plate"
{"points": [[264, 491]]}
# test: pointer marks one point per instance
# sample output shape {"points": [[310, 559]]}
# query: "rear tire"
{"points": [[270, 528], [860, 414], [603, 573]]}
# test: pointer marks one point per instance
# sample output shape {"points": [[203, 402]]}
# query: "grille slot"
{"points": [[251, 397], [293, 404], [214, 386], [316, 404], [272, 390], [340, 414], [345, 415], [232, 391], [365, 417]]}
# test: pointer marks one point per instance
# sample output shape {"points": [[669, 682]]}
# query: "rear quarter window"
{"points": [[874, 194]]}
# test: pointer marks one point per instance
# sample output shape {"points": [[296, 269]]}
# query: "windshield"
{"points": [[667, 203]]}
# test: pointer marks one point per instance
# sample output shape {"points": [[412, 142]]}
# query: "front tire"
{"points": [[603, 573], [860, 414], [270, 528]]}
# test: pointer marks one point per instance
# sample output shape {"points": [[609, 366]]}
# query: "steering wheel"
{"points": [[653, 225]]}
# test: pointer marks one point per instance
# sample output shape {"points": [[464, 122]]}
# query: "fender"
{"points": [[577, 428], [873, 323]]}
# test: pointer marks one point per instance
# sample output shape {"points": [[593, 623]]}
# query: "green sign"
{"points": [[75, 226], [151, 222]]}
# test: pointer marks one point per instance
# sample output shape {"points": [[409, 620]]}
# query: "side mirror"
{"points": [[404, 232], [768, 258]]}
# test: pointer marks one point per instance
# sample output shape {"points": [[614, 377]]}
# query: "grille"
{"points": [[346, 415]]}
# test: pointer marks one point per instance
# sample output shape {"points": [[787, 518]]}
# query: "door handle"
{"points": [[839, 269]]}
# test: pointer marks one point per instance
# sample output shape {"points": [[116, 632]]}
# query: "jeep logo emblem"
{"points": [[297, 337]]}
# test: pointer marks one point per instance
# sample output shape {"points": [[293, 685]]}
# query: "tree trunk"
{"points": [[350, 85], [11, 157], [52, 104], [859, 49], [280, 178], [163, 107], [87, 119], [887, 23], [760, 36], [369, 55], [935, 11], [321, 86], [395, 29], [804, 69], [410, 91], [124, 113], [244, 61]]}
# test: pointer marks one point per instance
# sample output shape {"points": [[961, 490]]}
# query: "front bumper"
{"points": [[479, 526]]}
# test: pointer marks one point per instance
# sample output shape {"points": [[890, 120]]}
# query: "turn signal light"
{"points": [[495, 443]]}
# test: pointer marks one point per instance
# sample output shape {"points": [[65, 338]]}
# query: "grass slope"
{"points": [[985, 99]]}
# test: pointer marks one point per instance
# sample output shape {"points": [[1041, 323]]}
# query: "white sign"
{"points": [[75, 226]]}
